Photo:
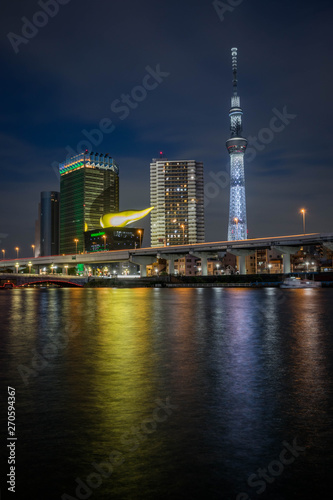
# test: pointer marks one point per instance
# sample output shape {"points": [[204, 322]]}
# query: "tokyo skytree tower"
{"points": [[236, 145]]}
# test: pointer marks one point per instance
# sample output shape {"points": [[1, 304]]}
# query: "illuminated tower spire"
{"points": [[236, 145]]}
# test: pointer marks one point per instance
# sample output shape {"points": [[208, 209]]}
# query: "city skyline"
{"points": [[49, 111]]}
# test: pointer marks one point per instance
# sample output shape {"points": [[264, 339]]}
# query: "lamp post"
{"points": [[33, 250], [183, 228], [76, 242], [140, 236], [3, 253], [303, 212], [217, 267], [236, 220], [29, 265], [66, 268], [307, 266], [17, 265], [17, 251], [269, 268], [104, 238]]}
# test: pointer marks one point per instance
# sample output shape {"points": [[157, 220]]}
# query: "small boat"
{"points": [[294, 282]]}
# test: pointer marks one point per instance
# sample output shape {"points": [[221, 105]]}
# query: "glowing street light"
{"points": [[303, 212], [269, 268], [183, 228], [104, 238], [140, 236], [33, 250], [17, 251], [3, 253], [29, 265], [76, 242]]}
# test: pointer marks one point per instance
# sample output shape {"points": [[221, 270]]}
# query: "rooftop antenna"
{"points": [[234, 68]]}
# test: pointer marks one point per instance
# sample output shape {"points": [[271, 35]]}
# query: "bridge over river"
{"points": [[287, 245], [11, 280]]}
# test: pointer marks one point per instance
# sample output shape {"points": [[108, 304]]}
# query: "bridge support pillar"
{"points": [[171, 260], [286, 263], [204, 256], [143, 262], [204, 265], [241, 258], [287, 252]]}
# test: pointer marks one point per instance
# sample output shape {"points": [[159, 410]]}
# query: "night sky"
{"points": [[66, 76]]}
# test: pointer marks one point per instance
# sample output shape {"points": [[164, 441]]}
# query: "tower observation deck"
{"points": [[236, 146]]}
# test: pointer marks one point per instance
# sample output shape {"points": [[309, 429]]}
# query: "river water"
{"points": [[168, 393]]}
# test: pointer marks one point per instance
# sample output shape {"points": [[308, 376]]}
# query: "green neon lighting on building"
{"points": [[97, 234]]}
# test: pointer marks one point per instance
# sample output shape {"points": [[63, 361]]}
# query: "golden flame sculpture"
{"points": [[121, 219]]}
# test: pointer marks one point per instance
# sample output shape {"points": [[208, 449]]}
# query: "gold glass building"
{"points": [[89, 188]]}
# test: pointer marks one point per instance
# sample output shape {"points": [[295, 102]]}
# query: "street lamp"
{"points": [[307, 266], [17, 251], [303, 212], [140, 236], [3, 253], [269, 268], [29, 265], [104, 238], [217, 267], [17, 265], [66, 267], [183, 228], [33, 250], [236, 221], [76, 242], [52, 267]]}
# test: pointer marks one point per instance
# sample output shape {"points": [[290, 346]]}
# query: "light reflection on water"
{"points": [[246, 369]]}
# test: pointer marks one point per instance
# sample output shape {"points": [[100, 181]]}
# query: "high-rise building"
{"points": [[36, 246], [113, 238], [89, 188], [177, 193], [236, 145], [49, 223]]}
